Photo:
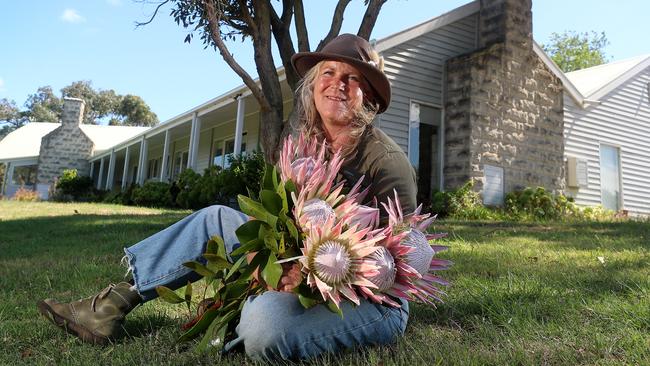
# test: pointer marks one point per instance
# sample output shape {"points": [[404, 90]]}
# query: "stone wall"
{"points": [[67, 147], [503, 107]]}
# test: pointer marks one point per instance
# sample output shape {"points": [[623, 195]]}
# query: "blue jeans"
{"points": [[273, 325]]}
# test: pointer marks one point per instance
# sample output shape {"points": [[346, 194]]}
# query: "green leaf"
{"points": [[188, 295], [282, 193], [275, 177], [236, 290], [268, 235], [235, 267], [256, 210], [217, 261], [335, 309], [306, 302], [271, 201], [248, 231], [199, 268], [281, 247], [213, 339], [200, 326], [251, 246], [267, 181], [272, 271], [168, 295], [216, 246]]}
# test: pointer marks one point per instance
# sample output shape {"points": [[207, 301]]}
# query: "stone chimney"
{"points": [[506, 21], [73, 111], [503, 107], [66, 147]]}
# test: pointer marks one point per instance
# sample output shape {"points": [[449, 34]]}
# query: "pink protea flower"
{"points": [[302, 159], [410, 276], [337, 261]]}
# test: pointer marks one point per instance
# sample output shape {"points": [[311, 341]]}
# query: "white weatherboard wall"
{"points": [[622, 119], [415, 69]]}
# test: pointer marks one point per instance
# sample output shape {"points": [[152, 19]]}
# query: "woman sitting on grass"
{"points": [[342, 90]]}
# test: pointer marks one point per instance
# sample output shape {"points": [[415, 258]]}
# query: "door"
{"points": [[425, 149], [610, 177]]}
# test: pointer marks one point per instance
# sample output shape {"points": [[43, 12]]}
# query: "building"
{"points": [[474, 98]]}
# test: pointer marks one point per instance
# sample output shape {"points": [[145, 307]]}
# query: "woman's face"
{"points": [[338, 93]]}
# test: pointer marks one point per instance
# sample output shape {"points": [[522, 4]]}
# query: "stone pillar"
{"points": [[163, 164], [239, 125], [194, 141], [125, 169], [110, 177], [100, 178], [503, 106]]}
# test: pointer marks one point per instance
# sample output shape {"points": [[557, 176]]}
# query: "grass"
{"points": [[528, 294]]}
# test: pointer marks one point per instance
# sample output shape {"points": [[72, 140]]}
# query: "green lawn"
{"points": [[522, 293]]}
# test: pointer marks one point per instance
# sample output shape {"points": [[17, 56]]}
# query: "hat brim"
{"points": [[303, 61]]}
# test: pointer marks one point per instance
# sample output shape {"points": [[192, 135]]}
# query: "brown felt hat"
{"points": [[355, 51]]}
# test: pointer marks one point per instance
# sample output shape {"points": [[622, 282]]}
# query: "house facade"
{"points": [[473, 98]]}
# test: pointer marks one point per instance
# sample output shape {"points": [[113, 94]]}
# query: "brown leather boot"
{"points": [[97, 319]]}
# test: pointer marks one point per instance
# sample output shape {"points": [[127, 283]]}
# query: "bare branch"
{"points": [[280, 28], [370, 18], [215, 32], [301, 27], [335, 27], [140, 24]]}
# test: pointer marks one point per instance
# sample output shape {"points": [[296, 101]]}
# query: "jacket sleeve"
{"points": [[393, 171]]}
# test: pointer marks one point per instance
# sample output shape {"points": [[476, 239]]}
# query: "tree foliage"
{"points": [[101, 106], [574, 51], [261, 23]]}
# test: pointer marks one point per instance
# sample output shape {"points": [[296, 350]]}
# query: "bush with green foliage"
{"points": [[153, 194], [74, 186], [462, 203], [540, 204], [220, 186]]}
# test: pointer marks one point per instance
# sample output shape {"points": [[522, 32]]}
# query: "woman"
{"points": [[343, 89]]}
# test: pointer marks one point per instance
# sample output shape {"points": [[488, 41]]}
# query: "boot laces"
{"points": [[101, 295]]}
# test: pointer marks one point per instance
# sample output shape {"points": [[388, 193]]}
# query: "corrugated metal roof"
{"points": [[589, 81], [106, 137], [25, 142]]}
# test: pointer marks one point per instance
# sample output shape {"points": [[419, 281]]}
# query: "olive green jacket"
{"points": [[385, 167]]}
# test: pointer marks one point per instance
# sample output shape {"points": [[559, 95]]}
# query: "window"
{"points": [[222, 149], [24, 175], [610, 177], [153, 168], [180, 162], [493, 185]]}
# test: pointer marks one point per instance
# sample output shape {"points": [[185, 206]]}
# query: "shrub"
{"points": [[540, 204], [153, 194], [72, 185], [220, 186], [462, 203], [24, 194]]}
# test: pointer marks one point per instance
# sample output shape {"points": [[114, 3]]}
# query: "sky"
{"points": [[57, 42]]}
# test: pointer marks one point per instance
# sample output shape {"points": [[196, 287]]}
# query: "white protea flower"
{"points": [[386, 271], [337, 261], [316, 212]]}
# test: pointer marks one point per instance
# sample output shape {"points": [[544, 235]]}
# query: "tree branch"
{"points": [[246, 15], [215, 33], [335, 27], [280, 28], [140, 24], [301, 27], [370, 18]]}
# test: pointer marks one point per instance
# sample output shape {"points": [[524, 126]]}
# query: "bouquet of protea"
{"points": [[305, 227]]}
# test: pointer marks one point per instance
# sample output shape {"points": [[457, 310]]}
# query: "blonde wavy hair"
{"points": [[310, 123]]}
